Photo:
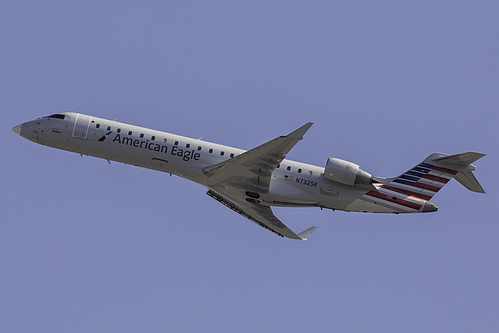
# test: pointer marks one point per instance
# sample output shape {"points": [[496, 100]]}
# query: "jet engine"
{"points": [[347, 173]]}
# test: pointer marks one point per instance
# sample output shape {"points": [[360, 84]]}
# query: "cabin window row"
{"points": [[188, 145], [288, 168]]}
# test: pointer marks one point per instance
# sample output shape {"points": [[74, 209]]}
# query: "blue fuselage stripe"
{"points": [[401, 181]]}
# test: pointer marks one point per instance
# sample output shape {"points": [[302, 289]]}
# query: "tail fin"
{"points": [[428, 177]]}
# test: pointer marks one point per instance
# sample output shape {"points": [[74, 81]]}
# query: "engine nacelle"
{"points": [[346, 173]]}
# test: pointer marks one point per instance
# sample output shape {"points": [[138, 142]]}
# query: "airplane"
{"points": [[251, 182]]}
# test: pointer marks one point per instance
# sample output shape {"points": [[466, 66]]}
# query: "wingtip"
{"points": [[305, 234], [298, 134]]}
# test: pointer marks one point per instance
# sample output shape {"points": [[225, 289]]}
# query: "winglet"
{"points": [[304, 234], [298, 134]]}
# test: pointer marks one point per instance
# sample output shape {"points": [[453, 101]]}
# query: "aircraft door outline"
{"points": [[81, 126]]}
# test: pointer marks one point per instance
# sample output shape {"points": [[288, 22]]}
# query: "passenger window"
{"points": [[210, 151], [199, 148], [176, 143], [299, 170], [222, 153], [288, 168], [97, 126], [141, 135], [129, 132], [109, 128], [153, 138], [165, 140], [231, 155], [278, 166], [187, 145], [310, 173], [118, 130]]}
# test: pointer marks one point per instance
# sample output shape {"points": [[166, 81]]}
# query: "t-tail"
{"points": [[412, 190]]}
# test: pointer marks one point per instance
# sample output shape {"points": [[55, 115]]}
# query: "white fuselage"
{"points": [[292, 183]]}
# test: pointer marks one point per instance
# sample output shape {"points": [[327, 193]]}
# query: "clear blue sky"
{"points": [[91, 247]]}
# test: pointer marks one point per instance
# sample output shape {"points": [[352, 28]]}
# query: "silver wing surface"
{"points": [[251, 171], [261, 215]]}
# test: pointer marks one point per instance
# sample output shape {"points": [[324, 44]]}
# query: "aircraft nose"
{"points": [[17, 129]]}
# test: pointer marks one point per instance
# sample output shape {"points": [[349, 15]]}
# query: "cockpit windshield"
{"points": [[56, 116]]}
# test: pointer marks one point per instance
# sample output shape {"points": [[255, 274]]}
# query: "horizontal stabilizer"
{"points": [[468, 180], [464, 175], [304, 234], [460, 159]]}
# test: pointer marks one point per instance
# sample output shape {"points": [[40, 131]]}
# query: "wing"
{"points": [[261, 215], [254, 167], [251, 171]]}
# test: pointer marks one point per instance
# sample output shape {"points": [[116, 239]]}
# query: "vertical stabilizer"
{"points": [[428, 177]]}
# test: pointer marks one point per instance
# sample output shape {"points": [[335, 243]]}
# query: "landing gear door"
{"points": [[82, 123]]}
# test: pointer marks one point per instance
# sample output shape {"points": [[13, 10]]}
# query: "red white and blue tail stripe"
{"points": [[411, 191], [422, 181]]}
